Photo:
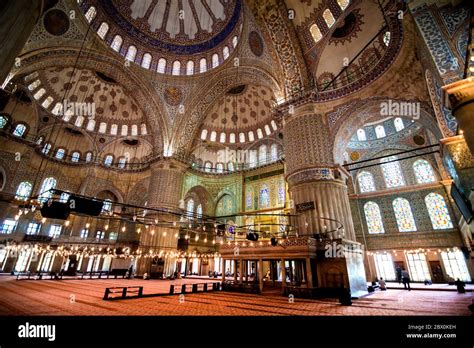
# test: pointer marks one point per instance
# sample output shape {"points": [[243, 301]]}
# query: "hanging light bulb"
{"points": [[152, 232], [17, 217], [196, 238], [88, 225], [156, 221], [213, 241], [205, 240], [139, 230], [174, 223], [176, 235], [123, 229], [134, 218], [43, 220], [66, 223], [164, 234], [106, 227], [189, 226]]}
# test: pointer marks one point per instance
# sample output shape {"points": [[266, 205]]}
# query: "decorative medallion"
{"points": [[418, 139], [173, 96], [348, 28], [56, 22], [256, 43], [355, 156]]}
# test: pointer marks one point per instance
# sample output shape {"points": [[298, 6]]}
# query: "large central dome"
{"points": [[196, 34]]}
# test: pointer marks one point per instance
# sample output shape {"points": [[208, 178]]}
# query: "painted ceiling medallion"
{"points": [[173, 96], [56, 22], [348, 28], [256, 43]]}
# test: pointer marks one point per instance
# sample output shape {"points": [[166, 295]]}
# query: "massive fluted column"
{"points": [[17, 20], [312, 175], [315, 180], [461, 97], [164, 193]]}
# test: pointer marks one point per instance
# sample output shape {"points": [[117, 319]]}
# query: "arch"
{"points": [[380, 131], [315, 33], [90, 14], [262, 154], [44, 192], [398, 123], [392, 173], [225, 52], [176, 70], [23, 190], [361, 136], [215, 60], [131, 53], [203, 65], [190, 67], [161, 68], [19, 130], [328, 18]]}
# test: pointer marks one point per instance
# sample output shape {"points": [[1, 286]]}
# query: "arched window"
{"points": [[230, 166], [204, 134], [102, 127], [79, 121], [274, 152], [202, 65], [215, 60], [131, 53], [39, 94], [392, 173], [3, 122], [32, 86], [366, 182], [134, 129], [219, 167], [343, 4], [379, 131], [423, 172], [114, 129], [40, 140], [225, 52], [19, 130], [190, 206], [242, 137], [267, 129], [47, 102], [232, 138], [146, 61], [75, 156], [262, 154], [315, 32], [91, 13], [281, 192], [438, 211], [251, 136], [90, 125], [264, 196], [225, 206], [46, 148], [116, 43], [47, 185], [161, 66], [60, 153], [24, 190], [252, 158], [199, 210], [63, 198], [274, 125], [88, 156], [361, 136], [207, 167], [103, 29], [235, 41], [213, 136], [249, 198], [143, 129], [190, 67], [404, 215], [107, 206], [176, 68], [124, 130], [373, 218], [121, 163], [259, 133], [222, 137], [398, 122], [328, 18], [108, 160]]}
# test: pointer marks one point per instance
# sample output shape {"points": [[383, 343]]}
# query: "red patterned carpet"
{"points": [[84, 297]]}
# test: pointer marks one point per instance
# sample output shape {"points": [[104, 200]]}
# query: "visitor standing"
{"points": [[406, 280]]}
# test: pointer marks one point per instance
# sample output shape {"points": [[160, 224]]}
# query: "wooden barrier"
{"points": [[124, 292]]}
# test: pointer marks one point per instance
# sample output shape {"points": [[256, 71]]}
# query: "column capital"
{"points": [[459, 93]]}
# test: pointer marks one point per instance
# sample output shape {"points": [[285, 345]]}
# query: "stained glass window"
{"points": [[225, 206], [146, 61], [386, 38], [75, 156], [107, 206], [190, 206], [131, 53], [90, 14], [343, 4], [392, 173], [249, 198], [199, 210], [438, 211], [3, 121], [19, 130], [190, 67], [262, 154], [423, 172], [116, 43], [366, 182], [281, 192], [23, 191], [103, 29], [404, 215], [373, 217], [384, 266], [264, 196]]}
